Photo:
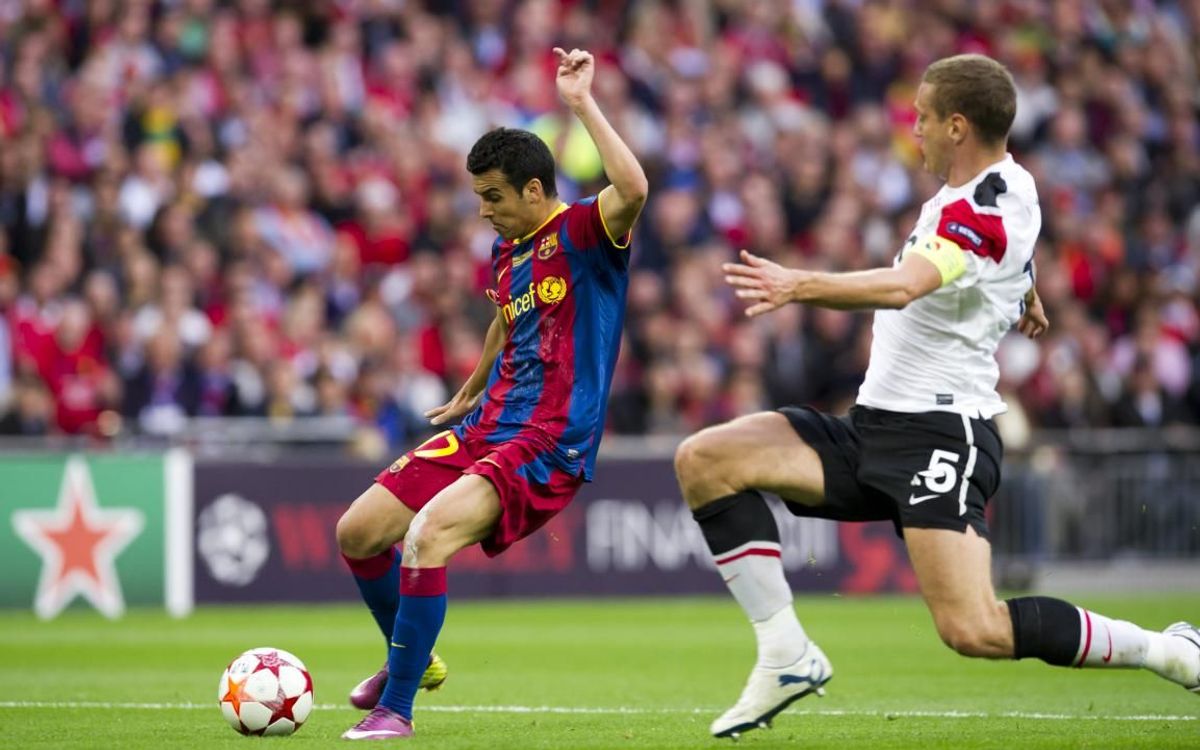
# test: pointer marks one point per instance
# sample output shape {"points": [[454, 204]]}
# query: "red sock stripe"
{"points": [[422, 581], [1087, 643], [372, 567], [760, 551]]}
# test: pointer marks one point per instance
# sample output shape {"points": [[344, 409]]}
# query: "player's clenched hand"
{"points": [[575, 71], [1034, 322], [765, 283], [456, 407]]}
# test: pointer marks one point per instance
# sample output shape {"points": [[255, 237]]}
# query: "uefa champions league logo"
{"points": [[231, 536]]}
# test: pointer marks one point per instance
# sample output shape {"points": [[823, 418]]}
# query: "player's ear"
{"points": [[533, 190], [958, 127]]}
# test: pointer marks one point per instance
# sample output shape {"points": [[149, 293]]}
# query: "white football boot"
{"points": [[772, 689], [1185, 667]]}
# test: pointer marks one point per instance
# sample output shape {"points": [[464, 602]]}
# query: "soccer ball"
{"points": [[266, 691]]}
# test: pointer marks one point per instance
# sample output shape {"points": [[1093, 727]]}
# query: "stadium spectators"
{"points": [[242, 207]]}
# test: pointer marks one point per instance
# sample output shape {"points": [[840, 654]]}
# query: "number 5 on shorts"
{"points": [[942, 473]]}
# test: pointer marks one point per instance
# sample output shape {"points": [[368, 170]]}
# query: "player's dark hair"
{"points": [[978, 88], [518, 154]]}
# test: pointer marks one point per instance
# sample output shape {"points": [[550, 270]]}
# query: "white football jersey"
{"points": [[939, 352]]}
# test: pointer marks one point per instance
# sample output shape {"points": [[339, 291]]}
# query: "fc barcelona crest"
{"points": [[547, 246]]}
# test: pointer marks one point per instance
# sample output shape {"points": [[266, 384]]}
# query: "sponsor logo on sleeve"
{"points": [[969, 234]]}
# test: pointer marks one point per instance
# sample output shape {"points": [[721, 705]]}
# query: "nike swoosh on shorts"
{"points": [[918, 500]]}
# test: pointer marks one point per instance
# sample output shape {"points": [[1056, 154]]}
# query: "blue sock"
{"points": [[419, 619], [378, 579]]}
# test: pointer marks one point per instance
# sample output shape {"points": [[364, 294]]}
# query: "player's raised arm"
{"points": [[622, 200], [768, 285]]}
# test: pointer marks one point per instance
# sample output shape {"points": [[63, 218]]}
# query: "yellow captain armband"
{"points": [[944, 254]]}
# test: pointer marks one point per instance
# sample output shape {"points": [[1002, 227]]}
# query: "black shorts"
{"points": [[931, 470]]}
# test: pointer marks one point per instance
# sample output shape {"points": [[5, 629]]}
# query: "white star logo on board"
{"points": [[78, 542]]}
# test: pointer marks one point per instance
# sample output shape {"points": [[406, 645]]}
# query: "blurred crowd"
{"points": [[247, 207]]}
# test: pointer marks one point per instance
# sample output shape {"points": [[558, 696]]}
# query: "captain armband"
{"points": [[944, 254]]}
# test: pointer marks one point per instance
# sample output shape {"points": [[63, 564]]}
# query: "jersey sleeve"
{"points": [[587, 229], [1000, 231], [976, 230]]}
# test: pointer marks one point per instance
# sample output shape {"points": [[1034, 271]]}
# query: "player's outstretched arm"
{"points": [[468, 396], [768, 285], [622, 200]]}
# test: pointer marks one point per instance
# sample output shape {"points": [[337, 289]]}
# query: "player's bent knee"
{"points": [[362, 533], [429, 538], [686, 456], [354, 536], [701, 457]]}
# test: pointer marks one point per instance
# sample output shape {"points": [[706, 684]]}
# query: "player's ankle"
{"points": [[778, 658], [1171, 658], [1158, 652], [781, 639]]}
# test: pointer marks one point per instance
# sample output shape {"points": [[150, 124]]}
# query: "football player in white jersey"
{"points": [[919, 448]]}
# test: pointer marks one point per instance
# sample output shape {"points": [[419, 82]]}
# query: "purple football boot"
{"points": [[366, 694], [381, 724]]}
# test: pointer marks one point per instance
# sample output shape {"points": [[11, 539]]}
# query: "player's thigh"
{"points": [[760, 451], [460, 515], [954, 572], [381, 516], [374, 521]]}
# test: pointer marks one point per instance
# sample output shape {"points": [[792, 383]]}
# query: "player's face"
{"points": [[509, 212], [931, 134]]}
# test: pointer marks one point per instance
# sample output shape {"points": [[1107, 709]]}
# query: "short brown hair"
{"points": [[978, 88]]}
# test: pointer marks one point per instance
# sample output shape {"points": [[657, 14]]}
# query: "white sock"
{"points": [[1173, 658], [1104, 642], [754, 574], [781, 639]]}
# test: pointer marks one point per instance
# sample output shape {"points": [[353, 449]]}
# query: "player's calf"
{"points": [[1065, 635], [743, 538], [1062, 634], [981, 633]]}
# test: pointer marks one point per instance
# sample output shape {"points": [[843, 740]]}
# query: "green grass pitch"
{"points": [[582, 674]]}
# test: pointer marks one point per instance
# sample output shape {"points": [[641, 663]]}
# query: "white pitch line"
{"points": [[623, 710]]}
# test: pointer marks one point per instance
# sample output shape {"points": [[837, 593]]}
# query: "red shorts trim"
{"points": [[525, 504]]}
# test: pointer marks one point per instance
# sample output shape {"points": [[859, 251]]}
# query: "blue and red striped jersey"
{"points": [[561, 291]]}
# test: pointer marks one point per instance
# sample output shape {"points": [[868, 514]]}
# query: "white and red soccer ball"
{"points": [[266, 691]]}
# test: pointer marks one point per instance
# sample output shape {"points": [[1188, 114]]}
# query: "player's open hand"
{"points": [[461, 404], [1034, 322], [763, 282], [575, 72]]}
